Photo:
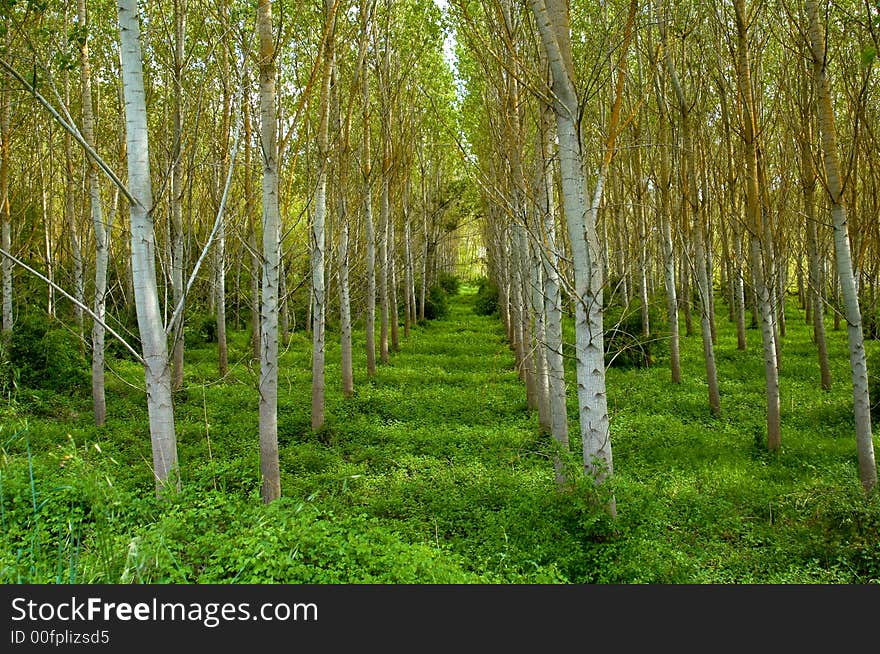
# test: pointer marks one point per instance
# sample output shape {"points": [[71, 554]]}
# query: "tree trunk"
{"points": [[858, 363], [739, 289], [177, 191], [755, 220], [694, 203], [102, 238], [5, 220], [553, 304], [70, 218], [385, 217], [269, 465], [369, 231], [392, 268], [552, 19], [347, 368], [318, 236], [143, 254], [253, 257]]}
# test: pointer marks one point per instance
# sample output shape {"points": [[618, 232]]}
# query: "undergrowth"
{"points": [[434, 472]]}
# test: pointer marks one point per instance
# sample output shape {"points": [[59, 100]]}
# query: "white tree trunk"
{"points": [[385, 217], [318, 236], [857, 359], [556, 387], [552, 19], [70, 217], [5, 221], [269, 465], [101, 232], [143, 254], [177, 191], [369, 229]]}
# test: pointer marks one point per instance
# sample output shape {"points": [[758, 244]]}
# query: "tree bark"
{"points": [[177, 191], [756, 226], [367, 170], [5, 213], [553, 24], [318, 236], [143, 254], [269, 464], [101, 232], [858, 363]]}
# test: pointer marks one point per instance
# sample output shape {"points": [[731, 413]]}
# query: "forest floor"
{"points": [[434, 472]]}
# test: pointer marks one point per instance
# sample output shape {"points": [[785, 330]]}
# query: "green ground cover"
{"points": [[435, 472]]}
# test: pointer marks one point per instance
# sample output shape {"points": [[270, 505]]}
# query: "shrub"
{"points": [[874, 384], [487, 298], [436, 304], [126, 326], [449, 283], [44, 354], [871, 324], [625, 346], [202, 328]]}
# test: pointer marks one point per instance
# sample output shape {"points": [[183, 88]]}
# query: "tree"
{"points": [[551, 17], [843, 256], [143, 252], [269, 465]]}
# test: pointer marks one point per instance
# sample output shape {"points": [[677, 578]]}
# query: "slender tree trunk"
{"points": [[815, 290], [671, 299], [48, 230], [392, 268], [539, 333], [739, 289], [409, 296], [269, 465], [319, 291], [686, 292], [553, 304], [710, 274], [425, 245], [177, 191], [253, 256], [385, 217], [220, 239], [858, 363], [551, 17], [665, 221], [694, 203], [813, 300], [101, 232], [757, 228], [5, 213], [344, 129], [70, 218], [143, 254], [369, 231]]}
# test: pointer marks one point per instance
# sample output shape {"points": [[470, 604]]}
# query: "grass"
{"points": [[434, 472]]}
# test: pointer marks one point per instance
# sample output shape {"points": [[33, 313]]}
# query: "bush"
{"points": [[449, 283], [625, 346], [125, 324], [487, 298], [436, 304], [874, 384], [44, 354], [201, 328], [871, 324]]}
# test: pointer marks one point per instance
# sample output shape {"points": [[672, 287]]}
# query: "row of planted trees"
{"points": [[327, 119], [621, 151], [636, 150]]}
